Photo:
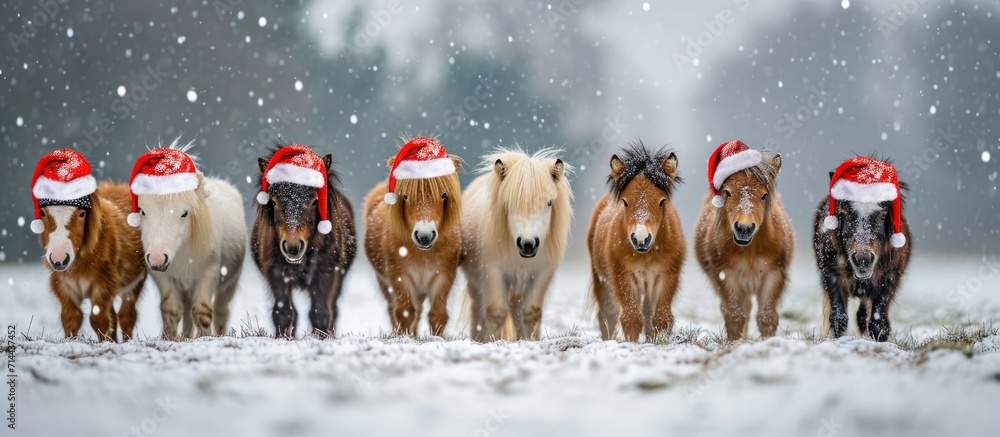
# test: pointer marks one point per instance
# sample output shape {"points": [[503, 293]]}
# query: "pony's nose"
{"points": [[59, 266], [293, 251], [425, 240], [641, 246], [158, 264], [527, 247], [743, 234], [864, 261]]}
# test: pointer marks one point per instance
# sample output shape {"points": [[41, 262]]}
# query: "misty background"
{"points": [[817, 81]]}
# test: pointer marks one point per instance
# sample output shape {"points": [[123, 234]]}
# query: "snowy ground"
{"points": [[570, 383]]}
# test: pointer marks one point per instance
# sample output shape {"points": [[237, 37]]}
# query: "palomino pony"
{"points": [[637, 245], [194, 235], [302, 200], [90, 255], [745, 246], [415, 243], [861, 245], [515, 224]]}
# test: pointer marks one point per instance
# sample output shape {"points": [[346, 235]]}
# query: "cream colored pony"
{"points": [[516, 218], [195, 243]]}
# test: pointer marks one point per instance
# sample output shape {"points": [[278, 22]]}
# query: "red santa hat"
{"points": [[298, 164], [61, 178], [728, 159], [420, 158], [163, 170], [864, 179]]}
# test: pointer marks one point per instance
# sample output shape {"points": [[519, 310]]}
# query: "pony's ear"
{"points": [[831, 175], [670, 165], [457, 161], [328, 160], [262, 163], [500, 168], [558, 168], [617, 166], [389, 162], [201, 181], [776, 162]]}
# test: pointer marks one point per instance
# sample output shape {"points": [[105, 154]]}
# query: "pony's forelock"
{"points": [[418, 191], [640, 160], [201, 221]]}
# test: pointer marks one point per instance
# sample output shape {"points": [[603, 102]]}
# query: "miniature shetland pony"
{"points": [[745, 246], [89, 253], [194, 238], [302, 200], [637, 245], [861, 245], [415, 243], [516, 218]]}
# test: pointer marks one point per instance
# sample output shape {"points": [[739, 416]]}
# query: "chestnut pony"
{"points": [[92, 256], [290, 251], [745, 247], [637, 245], [415, 243], [516, 218]]}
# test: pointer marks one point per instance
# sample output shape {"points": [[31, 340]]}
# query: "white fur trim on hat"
{"points": [[855, 192], [717, 201], [169, 184], [897, 240], [263, 198], [433, 168], [295, 174], [831, 222], [324, 227], [133, 219], [37, 226], [732, 164], [46, 188], [390, 198]]}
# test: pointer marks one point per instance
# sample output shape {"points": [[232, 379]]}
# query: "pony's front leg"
{"points": [[102, 315], [834, 307], [663, 317], [127, 316], [496, 307], [437, 317], [283, 313], [533, 311], [768, 298], [878, 325], [71, 315], [201, 305], [736, 304], [405, 310], [170, 308]]}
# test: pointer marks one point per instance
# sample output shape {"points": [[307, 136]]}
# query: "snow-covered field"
{"points": [[570, 383]]}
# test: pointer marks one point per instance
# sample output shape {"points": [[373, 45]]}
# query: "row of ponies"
{"points": [[507, 232]]}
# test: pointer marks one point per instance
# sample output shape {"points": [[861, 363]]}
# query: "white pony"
{"points": [[519, 207], [195, 241]]}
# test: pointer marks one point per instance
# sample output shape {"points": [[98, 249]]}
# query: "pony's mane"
{"points": [[201, 222], [422, 191], [522, 190], [176, 144], [640, 160]]}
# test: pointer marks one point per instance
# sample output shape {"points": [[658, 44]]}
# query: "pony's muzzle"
{"points": [[742, 235], [528, 247], [425, 240], [641, 246], [293, 253], [60, 266], [162, 267], [864, 264]]}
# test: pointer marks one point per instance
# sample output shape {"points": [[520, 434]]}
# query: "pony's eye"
{"points": [[728, 194], [444, 195], [142, 212], [625, 202], [185, 214], [763, 197], [550, 203], [43, 213], [405, 197], [83, 214], [662, 201], [315, 202]]}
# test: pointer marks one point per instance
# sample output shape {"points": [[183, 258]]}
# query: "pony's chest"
{"points": [[77, 288]]}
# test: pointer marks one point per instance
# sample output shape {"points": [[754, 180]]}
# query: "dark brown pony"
{"points": [[291, 253], [857, 260], [93, 256]]}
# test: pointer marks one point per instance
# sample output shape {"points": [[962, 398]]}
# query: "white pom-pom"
{"points": [[263, 198], [37, 226], [717, 201], [324, 227], [897, 240], [390, 198], [831, 222], [133, 219]]}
